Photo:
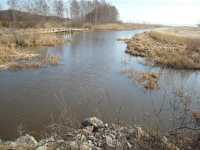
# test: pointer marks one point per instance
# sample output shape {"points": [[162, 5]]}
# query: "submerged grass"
{"points": [[148, 80]]}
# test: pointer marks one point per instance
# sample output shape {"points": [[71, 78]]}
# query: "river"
{"points": [[89, 82]]}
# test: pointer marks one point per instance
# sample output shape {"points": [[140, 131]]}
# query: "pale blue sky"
{"points": [[173, 12]]}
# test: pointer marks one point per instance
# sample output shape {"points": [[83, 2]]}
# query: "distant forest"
{"points": [[84, 11]]}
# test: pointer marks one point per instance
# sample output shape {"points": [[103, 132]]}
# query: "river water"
{"points": [[89, 82]]}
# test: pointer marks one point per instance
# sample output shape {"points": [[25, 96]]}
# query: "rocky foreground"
{"points": [[94, 135]]}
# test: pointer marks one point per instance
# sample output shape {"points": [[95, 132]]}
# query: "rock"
{"points": [[168, 144], [73, 146], [129, 145], [43, 147], [85, 146], [11, 145], [93, 121], [88, 130], [80, 138], [109, 142], [164, 140], [27, 140], [140, 132]]}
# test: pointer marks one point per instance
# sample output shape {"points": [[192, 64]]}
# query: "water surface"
{"points": [[89, 82]]}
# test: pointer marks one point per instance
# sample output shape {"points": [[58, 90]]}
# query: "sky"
{"points": [[170, 12]]}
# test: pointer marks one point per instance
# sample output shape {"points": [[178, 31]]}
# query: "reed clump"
{"points": [[148, 80], [13, 45], [53, 60], [19, 66]]}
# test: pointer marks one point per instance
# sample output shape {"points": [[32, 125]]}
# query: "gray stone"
{"points": [[109, 142], [88, 130], [85, 146], [80, 138], [43, 147], [27, 140], [93, 121], [73, 145]]}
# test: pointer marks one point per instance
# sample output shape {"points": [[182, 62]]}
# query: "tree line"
{"points": [[84, 11]]}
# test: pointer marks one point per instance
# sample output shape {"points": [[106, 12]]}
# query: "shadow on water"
{"points": [[89, 82]]}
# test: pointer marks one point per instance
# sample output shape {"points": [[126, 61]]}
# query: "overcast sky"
{"points": [[173, 12]]}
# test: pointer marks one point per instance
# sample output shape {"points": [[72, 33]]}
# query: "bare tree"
{"points": [[102, 13], [58, 6], [67, 9], [13, 4], [42, 7], [75, 10]]}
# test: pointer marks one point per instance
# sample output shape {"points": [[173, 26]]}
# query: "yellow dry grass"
{"points": [[13, 45], [120, 26], [168, 49], [148, 80]]}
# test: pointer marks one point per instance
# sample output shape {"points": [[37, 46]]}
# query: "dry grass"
{"points": [[168, 49], [13, 45], [148, 80], [121, 26], [53, 60], [18, 66]]}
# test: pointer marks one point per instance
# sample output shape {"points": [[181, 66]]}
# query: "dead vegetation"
{"points": [[148, 80], [121, 26], [14, 46], [167, 49], [50, 60], [53, 60]]}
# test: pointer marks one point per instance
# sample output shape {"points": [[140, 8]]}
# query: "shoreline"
{"points": [[13, 45], [172, 48]]}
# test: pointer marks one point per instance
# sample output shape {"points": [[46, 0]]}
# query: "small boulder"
{"points": [[43, 147], [110, 142], [85, 146], [73, 145], [93, 121], [27, 140], [88, 130]]}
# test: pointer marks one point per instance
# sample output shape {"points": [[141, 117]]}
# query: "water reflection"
{"points": [[89, 82]]}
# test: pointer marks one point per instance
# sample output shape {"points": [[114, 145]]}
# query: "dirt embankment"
{"points": [[175, 48]]}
